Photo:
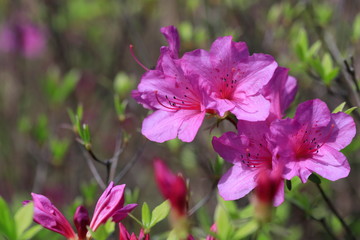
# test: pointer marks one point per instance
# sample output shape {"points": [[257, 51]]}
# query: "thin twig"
{"points": [[130, 164], [93, 169], [333, 209], [115, 158], [321, 221], [204, 200]]}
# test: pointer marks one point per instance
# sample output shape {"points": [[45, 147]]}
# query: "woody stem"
{"points": [[336, 213]]}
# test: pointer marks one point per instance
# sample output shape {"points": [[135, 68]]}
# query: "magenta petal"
{"points": [[172, 36], [252, 108], [280, 195], [344, 132], [225, 52], [280, 91], [313, 112], [162, 126], [237, 182], [254, 73], [48, 216], [81, 221], [329, 163], [123, 212], [110, 201], [190, 126], [227, 146], [123, 233]]}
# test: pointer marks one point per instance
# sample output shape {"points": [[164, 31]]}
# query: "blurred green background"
{"points": [[56, 55]]}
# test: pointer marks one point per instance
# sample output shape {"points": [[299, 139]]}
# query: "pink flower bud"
{"points": [[125, 235], [48, 216], [110, 205], [172, 187], [81, 221]]}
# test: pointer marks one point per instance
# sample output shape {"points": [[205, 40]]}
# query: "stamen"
{"points": [[135, 58]]}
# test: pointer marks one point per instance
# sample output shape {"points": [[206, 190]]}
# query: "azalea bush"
{"points": [[237, 120]]}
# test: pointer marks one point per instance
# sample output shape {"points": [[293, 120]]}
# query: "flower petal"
{"points": [[237, 182], [328, 163], [344, 131], [252, 108], [172, 36], [162, 126]]}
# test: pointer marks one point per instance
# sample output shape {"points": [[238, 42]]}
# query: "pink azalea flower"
{"points": [[213, 229], [81, 221], [251, 154], [268, 184], [109, 205], [125, 235], [47, 215], [176, 97], [234, 78], [312, 140], [172, 187], [22, 37], [280, 91]]}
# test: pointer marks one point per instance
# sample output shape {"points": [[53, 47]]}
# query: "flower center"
{"points": [[308, 142], [256, 155], [175, 102], [227, 84]]}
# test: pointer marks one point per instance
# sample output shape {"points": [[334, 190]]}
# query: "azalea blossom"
{"points": [[213, 229], [125, 235], [235, 78], [172, 187], [268, 184], [109, 205], [252, 154], [47, 215], [312, 140], [280, 91], [177, 99], [81, 221], [22, 37]]}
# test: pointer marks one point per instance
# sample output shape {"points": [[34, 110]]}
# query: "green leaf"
{"points": [[223, 224], [41, 131], [218, 166], [331, 75], [314, 178], [314, 48], [339, 108], [323, 14], [24, 218], [7, 222], [185, 31], [327, 63], [246, 230], [356, 28], [31, 232], [67, 86], [317, 66], [145, 215], [120, 107], [288, 184], [174, 145], [123, 84], [160, 213], [104, 231], [302, 45], [58, 149], [350, 110]]}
